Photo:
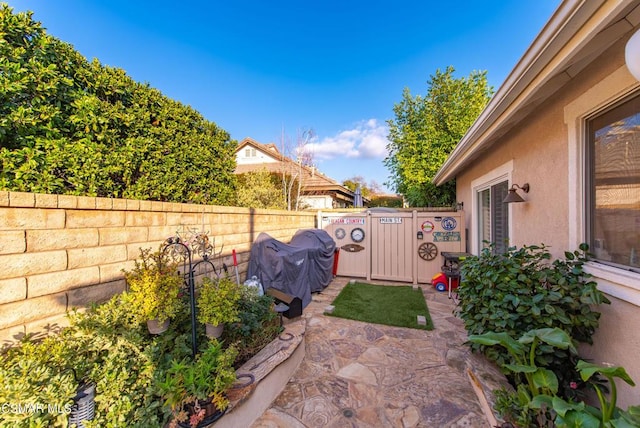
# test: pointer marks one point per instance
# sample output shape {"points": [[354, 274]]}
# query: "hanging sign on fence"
{"points": [[390, 220], [427, 226], [343, 220], [446, 236]]}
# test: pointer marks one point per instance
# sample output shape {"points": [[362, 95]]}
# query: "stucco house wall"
{"points": [[545, 148]]}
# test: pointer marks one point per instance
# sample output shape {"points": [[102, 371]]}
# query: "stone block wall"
{"points": [[59, 252]]}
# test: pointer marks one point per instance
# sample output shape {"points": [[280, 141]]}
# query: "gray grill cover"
{"points": [[302, 267]]}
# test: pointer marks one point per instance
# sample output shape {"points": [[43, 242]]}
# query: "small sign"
{"points": [[428, 226], [446, 236], [346, 220], [352, 248], [449, 223], [390, 220]]}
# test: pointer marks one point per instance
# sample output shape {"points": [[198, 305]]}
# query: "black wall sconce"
{"points": [[513, 196]]}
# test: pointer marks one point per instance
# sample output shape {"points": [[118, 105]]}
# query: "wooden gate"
{"points": [[400, 246]]}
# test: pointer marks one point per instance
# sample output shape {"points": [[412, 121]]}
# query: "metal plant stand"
{"points": [[179, 250]]}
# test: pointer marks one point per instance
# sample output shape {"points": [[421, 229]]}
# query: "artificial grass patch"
{"points": [[382, 304]]}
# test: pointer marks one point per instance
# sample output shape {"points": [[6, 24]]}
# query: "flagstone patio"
{"points": [[356, 374]]}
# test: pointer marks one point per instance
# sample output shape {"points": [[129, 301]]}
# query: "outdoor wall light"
{"points": [[513, 195], [632, 55]]}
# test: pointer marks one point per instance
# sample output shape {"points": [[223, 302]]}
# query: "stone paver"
{"points": [[356, 374]]}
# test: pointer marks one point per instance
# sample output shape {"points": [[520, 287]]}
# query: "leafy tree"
{"points": [[427, 128], [260, 189], [368, 189], [70, 126]]}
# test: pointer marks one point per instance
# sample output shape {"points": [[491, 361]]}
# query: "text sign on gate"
{"points": [[446, 236], [390, 220], [347, 220]]}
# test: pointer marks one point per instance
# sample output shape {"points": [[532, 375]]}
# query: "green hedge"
{"points": [[70, 126]]}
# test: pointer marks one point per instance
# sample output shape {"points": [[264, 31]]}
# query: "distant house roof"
{"points": [[315, 182], [576, 33]]}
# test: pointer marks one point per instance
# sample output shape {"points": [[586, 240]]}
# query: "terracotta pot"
{"points": [[214, 331], [156, 327]]}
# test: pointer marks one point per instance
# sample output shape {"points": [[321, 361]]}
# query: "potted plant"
{"points": [[218, 304], [154, 286], [195, 391]]}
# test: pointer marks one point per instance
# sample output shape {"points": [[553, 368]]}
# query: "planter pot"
{"points": [[214, 331], [211, 413], [157, 328]]}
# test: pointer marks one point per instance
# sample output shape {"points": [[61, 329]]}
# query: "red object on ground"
{"points": [[441, 282], [336, 256]]}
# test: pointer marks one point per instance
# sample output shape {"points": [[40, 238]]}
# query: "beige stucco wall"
{"points": [[539, 151], [59, 252]]}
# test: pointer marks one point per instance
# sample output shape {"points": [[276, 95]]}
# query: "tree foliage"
{"points": [[389, 201], [70, 126], [260, 189], [368, 190], [425, 131]]}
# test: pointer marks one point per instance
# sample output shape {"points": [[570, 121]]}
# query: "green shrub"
{"points": [[218, 301], [522, 290], [206, 378], [36, 375], [258, 324], [109, 347], [154, 286], [70, 126], [103, 345]]}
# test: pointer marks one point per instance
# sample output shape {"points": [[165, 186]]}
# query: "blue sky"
{"points": [[337, 67]]}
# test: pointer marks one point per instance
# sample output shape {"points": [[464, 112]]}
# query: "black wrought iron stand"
{"points": [[177, 249]]}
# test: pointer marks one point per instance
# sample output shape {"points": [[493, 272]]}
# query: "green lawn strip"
{"points": [[382, 304]]}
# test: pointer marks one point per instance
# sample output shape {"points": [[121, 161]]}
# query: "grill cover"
{"points": [[302, 267]]}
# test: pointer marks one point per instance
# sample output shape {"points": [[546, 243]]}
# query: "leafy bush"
{"points": [[218, 301], [70, 126], [536, 403], [154, 286], [258, 324], [35, 375], [208, 378], [105, 346], [108, 346], [522, 290]]}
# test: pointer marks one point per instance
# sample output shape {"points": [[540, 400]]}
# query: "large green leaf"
{"points": [[577, 419], [545, 380], [503, 339], [588, 369], [553, 336], [520, 368]]}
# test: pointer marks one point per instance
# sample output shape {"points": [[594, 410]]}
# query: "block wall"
{"points": [[59, 252]]}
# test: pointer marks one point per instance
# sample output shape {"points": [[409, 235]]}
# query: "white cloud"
{"points": [[367, 140]]}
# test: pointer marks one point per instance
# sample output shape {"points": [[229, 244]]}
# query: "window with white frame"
{"points": [[613, 184], [582, 118], [493, 216]]}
